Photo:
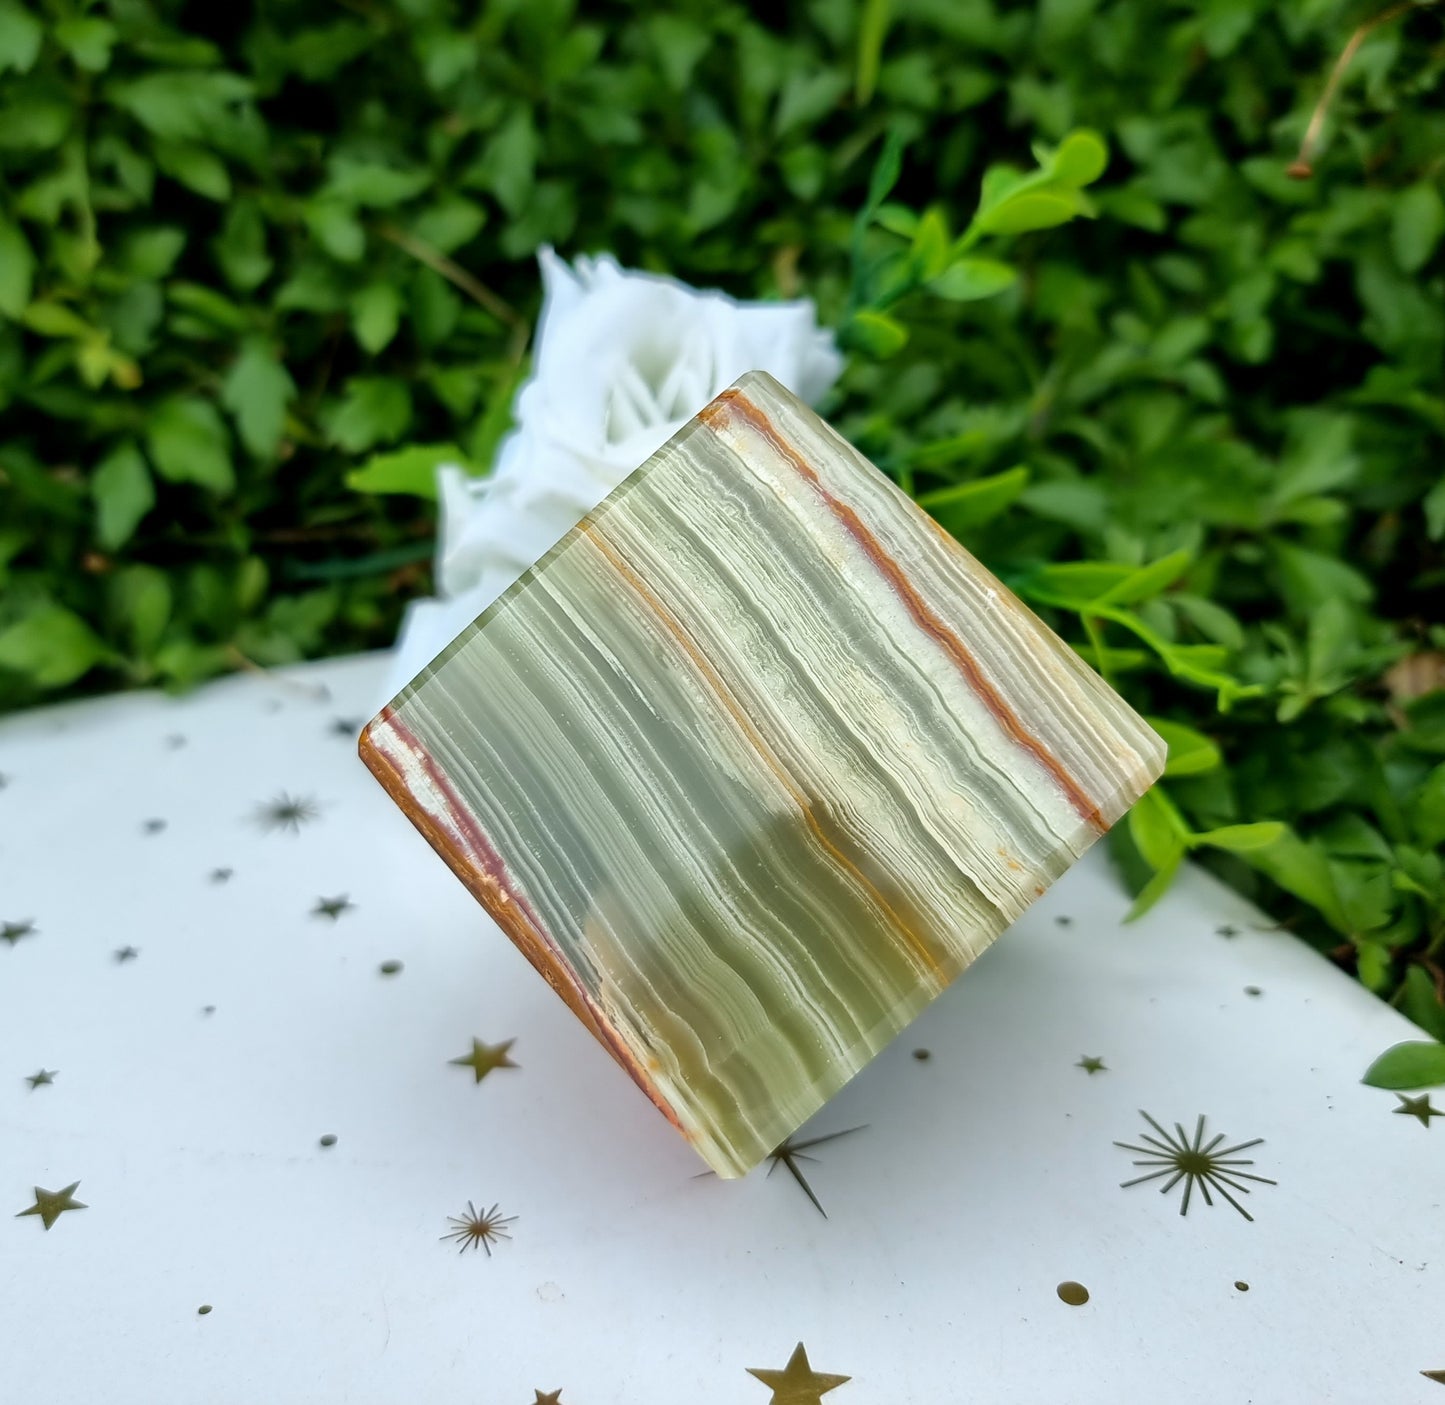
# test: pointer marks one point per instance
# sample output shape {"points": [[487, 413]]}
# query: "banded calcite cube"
{"points": [[753, 763]]}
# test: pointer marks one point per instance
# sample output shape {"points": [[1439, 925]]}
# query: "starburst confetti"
{"points": [[479, 1231], [1196, 1163]]}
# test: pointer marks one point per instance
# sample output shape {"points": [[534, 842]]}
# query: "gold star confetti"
{"points": [[332, 907], [551, 1397], [42, 1078], [1420, 1108], [485, 1057], [1194, 1163], [126, 953], [12, 932], [479, 1231], [798, 1383], [1091, 1065], [791, 1152], [50, 1205], [286, 813]]}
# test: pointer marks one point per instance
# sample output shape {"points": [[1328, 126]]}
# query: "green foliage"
{"points": [[1415, 1064], [254, 258]]}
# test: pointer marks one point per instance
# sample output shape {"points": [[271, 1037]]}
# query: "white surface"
{"points": [[986, 1175]]}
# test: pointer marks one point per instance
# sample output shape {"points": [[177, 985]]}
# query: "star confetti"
{"points": [[485, 1057], [1091, 1065], [1420, 1108], [50, 1205], [42, 1078], [126, 953], [12, 932], [332, 907], [798, 1383], [791, 1152]]}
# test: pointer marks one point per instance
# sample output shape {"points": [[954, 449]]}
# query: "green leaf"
{"points": [[1081, 159], [123, 493], [411, 471], [375, 315], [968, 505], [17, 269], [150, 252], [241, 248], [1299, 867], [256, 391], [1417, 224], [1030, 210], [20, 37], [449, 223], [372, 184], [336, 229], [88, 41], [970, 279], [1242, 838], [872, 30], [141, 597], [1154, 889], [1414, 1064], [51, 319], [187, 442], [877, 334], [1427, 811], [195, 168], [374, 410], [1191, 753], [1155, 832], [50, 647], [508, 165]]}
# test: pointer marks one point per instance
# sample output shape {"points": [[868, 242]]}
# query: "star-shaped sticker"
{"points": [[50, 1205], [798, 1383], [551, 1397], [126, 953], [1417, 1107], [485, 1057], [11, 932], [1090, 1064], [40, 1079], [332, 907]]}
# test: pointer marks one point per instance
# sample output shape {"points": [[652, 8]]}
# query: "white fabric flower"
{"points": [[622, 361]]}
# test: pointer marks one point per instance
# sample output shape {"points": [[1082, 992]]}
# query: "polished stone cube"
{"points": [[753, 763]]}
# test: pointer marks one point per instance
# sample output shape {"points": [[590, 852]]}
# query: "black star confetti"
{"points": [[50, 1205], [42, 1078], [286, 813], [485, 1057], [1420, 1108], [332, 907], [1194, 1163], [12, 932], [475, 1230]]}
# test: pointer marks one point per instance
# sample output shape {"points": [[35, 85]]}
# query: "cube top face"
{"points": [[753, 763]]}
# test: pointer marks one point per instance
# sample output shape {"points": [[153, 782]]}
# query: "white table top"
{"points": [[193, 1081]]}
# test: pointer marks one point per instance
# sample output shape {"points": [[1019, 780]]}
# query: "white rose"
{"points": [[622, 361]]}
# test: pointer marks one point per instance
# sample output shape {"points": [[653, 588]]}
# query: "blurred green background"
{"points": [[246, 248]]}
